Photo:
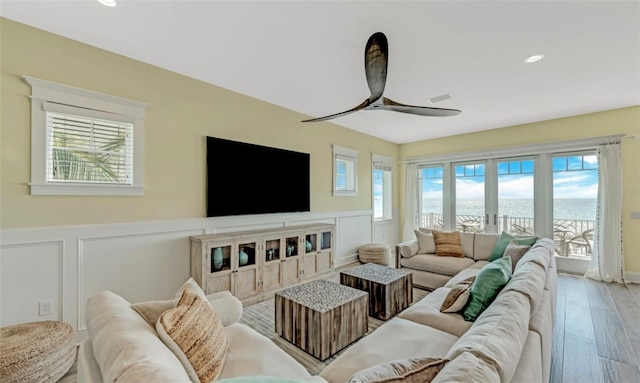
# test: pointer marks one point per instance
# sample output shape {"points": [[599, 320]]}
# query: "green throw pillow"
{"points": [[503, 241], [488, 283]]}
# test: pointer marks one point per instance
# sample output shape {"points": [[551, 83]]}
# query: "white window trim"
{"points": [[351, 154], [97, 104], [384, 161]]}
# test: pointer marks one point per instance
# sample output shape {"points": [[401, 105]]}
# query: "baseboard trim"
{"points": [[632, 277]]}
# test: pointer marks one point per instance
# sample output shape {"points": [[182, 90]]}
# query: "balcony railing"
{"points": [[573, 237]]}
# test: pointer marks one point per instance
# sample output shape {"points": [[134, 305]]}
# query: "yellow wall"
{"points": [[619, 121], [182, 112]]}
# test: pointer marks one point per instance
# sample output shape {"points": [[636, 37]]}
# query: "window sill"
{"points": [[337, 193], [81, 189]]}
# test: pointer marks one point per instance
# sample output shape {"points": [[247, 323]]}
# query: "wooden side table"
{"points": [[321, 317], [390, 290]]}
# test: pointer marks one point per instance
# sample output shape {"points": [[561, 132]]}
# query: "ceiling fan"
{"points": [[375, 65]]}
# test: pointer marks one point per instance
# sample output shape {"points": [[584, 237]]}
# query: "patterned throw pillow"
{"points": [[448, 244], [414, 370], [458, 296], [196, 336]]}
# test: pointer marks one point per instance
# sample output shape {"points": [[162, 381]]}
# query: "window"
{"points": [[431, 197], [84, 143], [345, 171], [382, 187]]}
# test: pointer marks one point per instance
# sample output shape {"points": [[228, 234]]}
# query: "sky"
{"points": [[573, 177]]}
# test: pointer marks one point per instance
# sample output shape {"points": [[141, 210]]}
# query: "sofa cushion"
{"points": [[462, 275], [151, 310], [468, 368], [489, 281], [440, 265], [466, 242], [414, 370], [427, 312], [498, 334], [426, 242], [251, 353], [194, 333], [269, 379], [448, 244], [483, 245], [529, 280], [409, 249], [516, 252], [457, 297], [121, 341], [503, 241], [396, 339]]}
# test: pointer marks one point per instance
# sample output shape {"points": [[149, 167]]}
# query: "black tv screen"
{"points": [[245, 178]]}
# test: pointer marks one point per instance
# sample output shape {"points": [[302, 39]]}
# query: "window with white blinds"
{"points": [[345, 171], [84, 142], [89, 150]]}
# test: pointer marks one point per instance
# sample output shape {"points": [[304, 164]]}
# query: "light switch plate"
{"points": [[635, 215]]}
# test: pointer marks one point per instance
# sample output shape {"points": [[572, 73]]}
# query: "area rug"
{"points": [[260, 317]]}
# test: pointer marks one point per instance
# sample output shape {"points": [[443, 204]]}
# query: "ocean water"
{"points": [[563, 208]]}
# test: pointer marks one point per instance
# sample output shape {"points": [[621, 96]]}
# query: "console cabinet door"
{"points": [[325, 253], [246, 282], [219, 267], [291, 259], [272, 258]]}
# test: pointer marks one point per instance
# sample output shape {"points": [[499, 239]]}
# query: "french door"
{"points": [[484, 196]]}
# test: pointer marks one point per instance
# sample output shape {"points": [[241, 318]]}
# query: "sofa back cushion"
{"points": [[466, 241], [467, 368], [503, 241], [498, 335], [483, 245], [125, 346]]}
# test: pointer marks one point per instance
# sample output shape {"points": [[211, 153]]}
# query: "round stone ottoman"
{"points": [[375, 253], [36, 352]]}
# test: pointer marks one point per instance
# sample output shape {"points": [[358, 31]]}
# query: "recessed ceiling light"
{"points": [[108, 3], [533, 58]]}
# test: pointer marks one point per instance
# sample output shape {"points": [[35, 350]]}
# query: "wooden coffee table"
{"points": [[321, 317], [390, 290]]}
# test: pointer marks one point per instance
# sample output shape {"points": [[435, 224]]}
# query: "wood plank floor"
{"points": [[597, 332]]}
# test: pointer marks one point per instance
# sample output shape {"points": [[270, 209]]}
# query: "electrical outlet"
{"points": [[45, 308]]}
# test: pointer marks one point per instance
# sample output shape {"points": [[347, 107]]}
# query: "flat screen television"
{"points": [[245, 178]]}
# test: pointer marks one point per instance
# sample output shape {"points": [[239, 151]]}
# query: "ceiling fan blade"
{"points": [[375, 64], [388, 104], [364, 104]]}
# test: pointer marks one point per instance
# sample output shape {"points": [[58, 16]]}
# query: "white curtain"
{"points": [[410, 203], [607, 261]]}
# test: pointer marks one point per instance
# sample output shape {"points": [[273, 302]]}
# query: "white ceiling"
{"points": [[308, 56]]}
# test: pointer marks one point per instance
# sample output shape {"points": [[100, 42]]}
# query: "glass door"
{"points": [[470, 197], [515, 196], [431, 201]]}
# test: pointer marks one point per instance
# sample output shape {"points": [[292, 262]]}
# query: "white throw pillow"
{"points": [[426, 243]]}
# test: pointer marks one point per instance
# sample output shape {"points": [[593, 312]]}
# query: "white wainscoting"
{"points": [[139, 261]]}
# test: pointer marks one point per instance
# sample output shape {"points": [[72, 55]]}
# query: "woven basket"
{"points": [[36, 352], [375, 253]]}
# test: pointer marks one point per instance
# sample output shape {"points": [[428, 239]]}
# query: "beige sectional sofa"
{"points": [[123, 347], [510, 341]]}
